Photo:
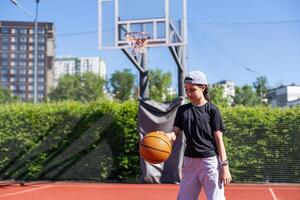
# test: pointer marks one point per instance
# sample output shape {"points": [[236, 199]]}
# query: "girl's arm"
{"points": [[225, 173]]}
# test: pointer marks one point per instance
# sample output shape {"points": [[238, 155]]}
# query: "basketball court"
{"points": [[95, 191], [133, 32]]}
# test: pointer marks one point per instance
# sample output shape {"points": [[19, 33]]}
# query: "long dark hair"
{"points": [[205, 92]]}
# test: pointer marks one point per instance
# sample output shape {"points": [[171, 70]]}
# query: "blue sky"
{"points": [[224, 37]]}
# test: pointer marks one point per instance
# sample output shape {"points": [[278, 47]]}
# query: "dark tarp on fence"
{"points": [[154, 116]]}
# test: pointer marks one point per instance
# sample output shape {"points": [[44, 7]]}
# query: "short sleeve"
{"points": [[178, 119], [216, 120]]}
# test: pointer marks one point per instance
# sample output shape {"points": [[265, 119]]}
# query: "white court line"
{"points": [[273, 194], [261, 188], [113, 187], [24, 191]]}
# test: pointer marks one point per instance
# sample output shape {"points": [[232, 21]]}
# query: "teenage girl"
{"points": [[205, 163]]}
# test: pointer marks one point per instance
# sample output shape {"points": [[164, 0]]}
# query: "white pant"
{"points": [[198, 173]]}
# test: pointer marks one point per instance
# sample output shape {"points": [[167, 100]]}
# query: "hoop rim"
{"points": [[137, 41], [142, 33]]}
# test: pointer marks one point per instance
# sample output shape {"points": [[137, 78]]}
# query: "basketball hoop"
{"points": [[137, 41]]}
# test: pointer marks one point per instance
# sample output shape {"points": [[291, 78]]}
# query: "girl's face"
{"points": [[194, 92]]}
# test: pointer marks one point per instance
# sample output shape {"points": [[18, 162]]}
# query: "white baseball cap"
{"points": [[196, 77]]}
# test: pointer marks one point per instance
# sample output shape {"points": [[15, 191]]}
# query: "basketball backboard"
{"points": [[163, 20]]}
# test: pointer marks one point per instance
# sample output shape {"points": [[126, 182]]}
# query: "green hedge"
{"points": [[99, 142], [263, 143], [35, 139]]}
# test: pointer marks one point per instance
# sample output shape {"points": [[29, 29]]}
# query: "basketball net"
{"points": [[137, 41]]}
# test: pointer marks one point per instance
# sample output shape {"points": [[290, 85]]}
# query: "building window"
{"points": [[4, 79], [66, 68], [22, 71], [41, 56], [41, 64], [5, 30], [22, 63], [5, 39], [22, 79], [22, 55], [41, 47], [22, 95], [4, 55], [4, 71], [41, 31], [40, 87], [41, 39], [5, 47], [23, 39], [4, 62], [22, 30], [22, 47], [41, 72]]}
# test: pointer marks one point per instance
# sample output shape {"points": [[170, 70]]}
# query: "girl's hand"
{"points": [[171, 136], [225, 175]]}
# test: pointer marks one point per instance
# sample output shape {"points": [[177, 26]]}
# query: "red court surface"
{"points": [[101, 191]]}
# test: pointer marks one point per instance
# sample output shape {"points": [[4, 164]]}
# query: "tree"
{"points": [[6, 96], [261, 87], [245, 96], [159, 83], [216, 95], [86, 87], [93, 86], [122, 83]]}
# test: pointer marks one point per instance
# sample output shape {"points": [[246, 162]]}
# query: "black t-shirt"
{"points": [[199, 124]]}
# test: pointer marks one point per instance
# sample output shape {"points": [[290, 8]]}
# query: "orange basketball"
{"points": [[155, 147]]}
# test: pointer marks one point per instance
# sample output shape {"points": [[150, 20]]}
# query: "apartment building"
{"points": [[284, 96], [17, 46], [78, 65], [228, 89]]}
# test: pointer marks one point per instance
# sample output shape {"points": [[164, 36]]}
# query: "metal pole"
{"points": [[35, 53], [167, 18], [144, 89], [181, 74], [35, 43]]}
